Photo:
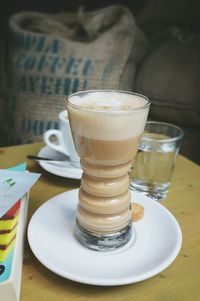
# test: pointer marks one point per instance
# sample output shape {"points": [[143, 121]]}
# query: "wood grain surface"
{"points": [[179, 282]]}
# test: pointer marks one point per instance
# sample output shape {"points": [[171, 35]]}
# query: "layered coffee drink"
{"points": [[106, 127]]}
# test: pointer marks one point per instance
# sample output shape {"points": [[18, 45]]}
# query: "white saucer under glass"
{"points": [[156, 243]]}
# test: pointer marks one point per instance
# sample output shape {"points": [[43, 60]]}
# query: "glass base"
{"points": [[156, 193], [99, 242]]}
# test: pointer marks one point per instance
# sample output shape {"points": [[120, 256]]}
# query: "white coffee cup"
{"points": [[64, 139]]}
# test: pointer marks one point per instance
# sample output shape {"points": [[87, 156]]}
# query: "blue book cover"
{"points": [[6, 266]]}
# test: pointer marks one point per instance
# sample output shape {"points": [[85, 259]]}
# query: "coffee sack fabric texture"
{"points": [[2, 74], [169, 75], [52, 56]]}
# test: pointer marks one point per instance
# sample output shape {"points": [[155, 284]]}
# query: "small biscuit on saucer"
{"points": [[137, 211]]}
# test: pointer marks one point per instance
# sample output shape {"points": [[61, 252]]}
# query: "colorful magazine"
{"points": [[15, 184]]}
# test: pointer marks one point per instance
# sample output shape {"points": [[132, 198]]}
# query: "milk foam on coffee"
{"points": [[108, 100], [121, 125]]}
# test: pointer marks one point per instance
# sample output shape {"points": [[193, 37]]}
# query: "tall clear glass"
{"points": [[154, 163], [106, 127]]}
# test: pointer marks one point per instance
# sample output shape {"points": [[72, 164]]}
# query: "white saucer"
{"points": [[50, 235], [66, 172]]}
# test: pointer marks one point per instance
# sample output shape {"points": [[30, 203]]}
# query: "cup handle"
{"points": [[60, 147]]}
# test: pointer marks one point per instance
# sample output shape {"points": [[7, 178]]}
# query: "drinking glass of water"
{"points": [[153, 165]]}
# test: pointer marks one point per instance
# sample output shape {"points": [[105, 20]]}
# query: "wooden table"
{"points": [[180, 281]]}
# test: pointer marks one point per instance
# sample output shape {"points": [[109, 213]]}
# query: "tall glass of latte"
{"points": [[106, 127]]}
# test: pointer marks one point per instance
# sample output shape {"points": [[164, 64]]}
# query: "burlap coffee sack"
{"points": [[169, 76], [2, 77], [55, 55]]}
